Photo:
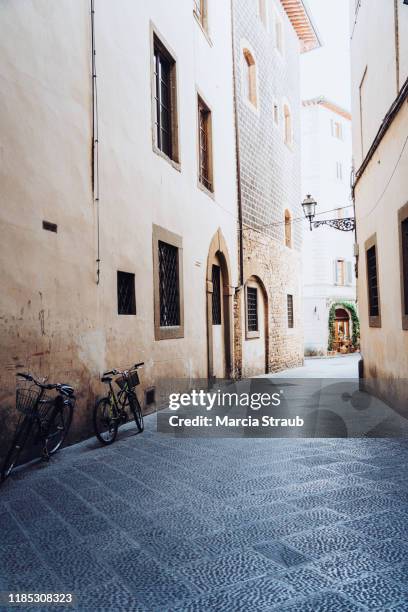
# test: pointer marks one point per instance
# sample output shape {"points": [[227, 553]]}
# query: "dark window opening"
{"points": [[291, 321], [169, 285], [163, 67], [252, 309], [404, 242], [126, 293], [204, 137], [216, 295], [372, 280], [150, 396], [50, 227]]}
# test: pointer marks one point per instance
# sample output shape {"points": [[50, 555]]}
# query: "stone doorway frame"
{"points": [[218, 254]]}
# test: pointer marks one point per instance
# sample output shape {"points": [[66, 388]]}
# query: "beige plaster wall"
{"points": [[55, 320]]}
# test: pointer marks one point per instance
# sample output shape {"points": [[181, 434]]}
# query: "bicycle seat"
{"points": [[106, 379], [67, 390]]}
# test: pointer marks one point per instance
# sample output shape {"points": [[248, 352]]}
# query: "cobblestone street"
{"points": [[158, 523]]}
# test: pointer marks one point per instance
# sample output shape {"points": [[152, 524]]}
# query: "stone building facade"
{"points": [[380, 153], [329, 282], [114, 234], [268, 40]]}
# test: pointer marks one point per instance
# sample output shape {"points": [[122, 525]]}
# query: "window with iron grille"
{"points": [[216, 295], [372, 281], [164, 96], [126, 293], [252, 309], [404, 247], [169, 285], [204, 140], [291, 321]]}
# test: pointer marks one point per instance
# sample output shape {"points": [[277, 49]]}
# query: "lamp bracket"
{"points": [[347, 224]]}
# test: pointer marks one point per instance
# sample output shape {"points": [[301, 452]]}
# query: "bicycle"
{"points": [[49, 416], [110, 411]]}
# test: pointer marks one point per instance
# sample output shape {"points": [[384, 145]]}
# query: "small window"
{"points": [[169, 285], [290, 311], [276, 113], [337, 129], [372, 284], [249, 77], [205, 145], [126, 293], [288, 229], [200, 11], [252, 309], [216, 295], [278, 34], [340, 272], [165, 101], [339, 171], [263, 12], [288, 125]]}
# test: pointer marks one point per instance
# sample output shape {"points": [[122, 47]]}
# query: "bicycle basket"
{"points": [[132, 379], [27, 403]]}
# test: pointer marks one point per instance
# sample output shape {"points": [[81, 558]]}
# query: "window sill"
{"points": [[175, 164], [203, 29], [374, 321], [252, 335], [169, 333], [205, 190], [251, 106]]}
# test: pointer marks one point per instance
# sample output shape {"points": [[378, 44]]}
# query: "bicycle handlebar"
{"points": [[115, 372], [48, 386]]}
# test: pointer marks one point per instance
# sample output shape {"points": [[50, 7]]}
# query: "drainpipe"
{"points": [[238, 160]]}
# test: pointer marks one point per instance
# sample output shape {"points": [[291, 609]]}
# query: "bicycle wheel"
{"points": [[18, 443], [137, 411], [58, 426], [105, 421]]}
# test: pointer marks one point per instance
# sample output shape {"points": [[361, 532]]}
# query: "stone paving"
{"points": [[158, 523]]}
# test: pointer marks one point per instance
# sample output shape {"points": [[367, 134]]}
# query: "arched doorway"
{"points": [[255, 336], [219, 309], [342, 330]]}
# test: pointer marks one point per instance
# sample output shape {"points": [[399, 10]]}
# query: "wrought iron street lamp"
{"points": [[309, 204]]}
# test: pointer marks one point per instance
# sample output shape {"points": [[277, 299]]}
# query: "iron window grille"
{"points": [[404, 244], [163, 66], [216, 295], [126, 293], [169, 285], [291, 320], [372, 279], [204, 137], [252, 309]]}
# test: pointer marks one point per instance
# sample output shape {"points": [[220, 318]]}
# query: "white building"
{"points": [[329, 287]]}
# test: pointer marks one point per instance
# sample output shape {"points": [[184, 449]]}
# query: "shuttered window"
{"points": [[165, 100], [372, 281]]}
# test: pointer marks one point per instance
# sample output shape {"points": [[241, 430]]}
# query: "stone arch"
{"points": [[218, 253], [256, 276]]}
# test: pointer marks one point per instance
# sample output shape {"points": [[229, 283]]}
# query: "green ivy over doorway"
{"points": [[354, 318]]}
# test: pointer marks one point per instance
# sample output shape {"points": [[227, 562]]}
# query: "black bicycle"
{"points": [[48, 417], [111, 410]]}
